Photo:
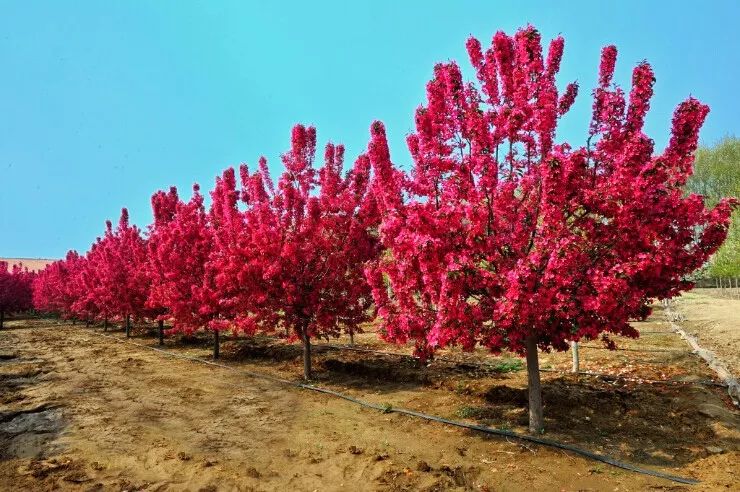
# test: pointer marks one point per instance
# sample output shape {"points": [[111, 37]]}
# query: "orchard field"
{"points": [[88, 410], [501, 308]]}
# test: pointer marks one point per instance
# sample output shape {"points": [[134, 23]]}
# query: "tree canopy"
{"points": [[716, 176]]}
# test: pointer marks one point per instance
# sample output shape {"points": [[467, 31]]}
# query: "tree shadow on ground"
{"points": [[374, 373], [654, 425], [335, 364], [362, 370]]}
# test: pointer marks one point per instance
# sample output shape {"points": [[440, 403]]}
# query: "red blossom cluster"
{"points": [[16, 292]]}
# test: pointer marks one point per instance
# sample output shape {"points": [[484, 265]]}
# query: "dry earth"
{"points": [[715, 321], [84, 411]]}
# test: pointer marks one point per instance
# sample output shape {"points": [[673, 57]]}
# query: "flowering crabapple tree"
{"points": [[179, 246], [55, 288], [126, 271], [117, 273], [47, 288], [109, 282], [163, 210], [295, 257], [92, 300], [502, 237], [16, 292], [224, 291]]}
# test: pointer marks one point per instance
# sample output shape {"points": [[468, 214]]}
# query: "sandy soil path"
{"points": [[715, 321]]}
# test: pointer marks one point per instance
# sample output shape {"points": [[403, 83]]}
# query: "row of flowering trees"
{"points": [[16, 293], [265, 257], [499, 236]]}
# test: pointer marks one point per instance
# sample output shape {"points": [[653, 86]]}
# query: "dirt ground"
{"points": [[715, 321], [83, 410]]}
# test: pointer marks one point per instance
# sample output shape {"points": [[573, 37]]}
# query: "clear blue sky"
{"points": [[102, 103]]}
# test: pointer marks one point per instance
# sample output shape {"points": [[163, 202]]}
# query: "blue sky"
{"points": [[103, 103]]}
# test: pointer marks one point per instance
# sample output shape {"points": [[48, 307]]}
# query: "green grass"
{"points": [[467, 412], [510, 365]]}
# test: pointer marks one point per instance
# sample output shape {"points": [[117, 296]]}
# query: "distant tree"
{"points": [[56, 287], [16, 292], [717, 176], [92, 300], [119, 263], [110, 282]]}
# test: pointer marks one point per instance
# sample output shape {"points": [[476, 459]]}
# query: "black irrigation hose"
{"points": [[386, 409]]}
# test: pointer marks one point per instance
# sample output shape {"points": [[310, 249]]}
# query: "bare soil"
{"points": [[715, 321], [83, 410]]}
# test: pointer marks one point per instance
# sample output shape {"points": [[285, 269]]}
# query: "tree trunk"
{"points": [[536, 421], [2, 318], [160, 325], [128, 326], [351, 336], [87, 323], [74, 321], [105, 324], [215, 344], [306, 352], [576, 361]]}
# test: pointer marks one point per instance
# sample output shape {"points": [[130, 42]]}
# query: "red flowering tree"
{"points": [[46, 288], [179, 245], [16, 292], [504, 238], [295, 257], [92, 300], [55, 288], [116, 278], [109, 282], [163, 210]]}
